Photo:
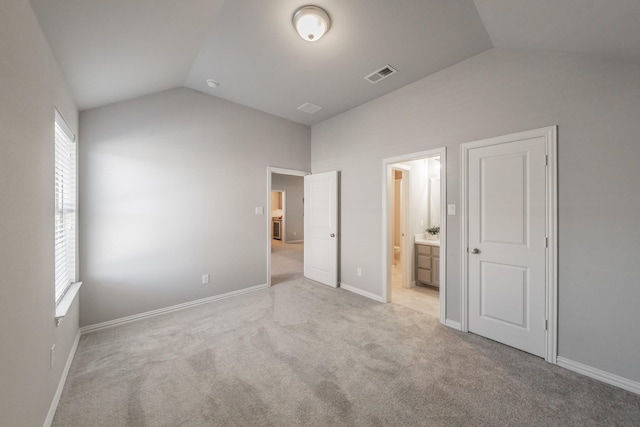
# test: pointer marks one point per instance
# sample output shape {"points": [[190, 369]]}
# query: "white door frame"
{"points": [[387, 205], [270, 171], [550, 134], [404, 220]]}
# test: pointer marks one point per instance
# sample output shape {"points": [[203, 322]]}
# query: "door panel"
{"points": [[507, 226], [504, 195], [504, 291], [321, 228]]}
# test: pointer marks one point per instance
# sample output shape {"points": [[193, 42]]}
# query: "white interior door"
{"points": [[321, 228], [507, 242]]}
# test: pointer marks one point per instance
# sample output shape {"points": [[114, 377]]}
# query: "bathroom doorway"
{"points": [[414, 224], [400, 264], [285, 218]]}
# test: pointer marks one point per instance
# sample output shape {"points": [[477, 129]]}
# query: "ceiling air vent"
{"points": [[310, 108], [382, 73]]}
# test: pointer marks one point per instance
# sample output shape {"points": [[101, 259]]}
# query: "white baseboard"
{"points": [[361, 292], [63, 380], [453, 324], [294, 241], [146, 315], [595, 373]]}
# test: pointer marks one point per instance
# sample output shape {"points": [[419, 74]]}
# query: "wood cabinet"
{"points": [[427, 264], [276, 228]]}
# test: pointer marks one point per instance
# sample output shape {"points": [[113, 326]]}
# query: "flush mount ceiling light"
{"points": [[311, 22], [212, 83]]}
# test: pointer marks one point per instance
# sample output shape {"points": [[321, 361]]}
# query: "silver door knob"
{"points": [[475, 251], [332, 235]]}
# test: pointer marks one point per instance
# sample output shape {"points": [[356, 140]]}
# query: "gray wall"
{"points": [[596, 104], [418, 206], [170, 183], [31, 86], [418, 197], [294, 186]]}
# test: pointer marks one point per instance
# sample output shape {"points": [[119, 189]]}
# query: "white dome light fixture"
{"points": [[311, 22]]}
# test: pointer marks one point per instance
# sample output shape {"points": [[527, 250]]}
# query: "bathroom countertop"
{"points": [[422, 240]]}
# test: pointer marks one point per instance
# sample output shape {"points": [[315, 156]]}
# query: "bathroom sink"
{"points": [[421, 240]]}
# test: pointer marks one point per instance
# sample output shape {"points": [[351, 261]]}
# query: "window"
{"points": [[65, 207]]}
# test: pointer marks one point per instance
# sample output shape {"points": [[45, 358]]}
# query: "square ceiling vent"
{"points": [[310, 108], [380, 74]]}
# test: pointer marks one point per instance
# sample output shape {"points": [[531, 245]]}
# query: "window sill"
{"points": [[65, 303]]}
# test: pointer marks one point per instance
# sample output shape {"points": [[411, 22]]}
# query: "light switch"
{"points": [[260, 210], [451, 209]]}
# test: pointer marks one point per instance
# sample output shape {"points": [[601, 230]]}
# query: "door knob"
{"points": [[475, 251], [332, 235]]}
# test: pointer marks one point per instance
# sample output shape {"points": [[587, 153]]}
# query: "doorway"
{"points": [[285, 225], [400, 264], [414, 261]]}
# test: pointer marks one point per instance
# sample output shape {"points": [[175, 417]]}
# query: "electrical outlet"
{"points": [[53, 355], [205, 279], [260, 210], [359, 272], [295, 234]]}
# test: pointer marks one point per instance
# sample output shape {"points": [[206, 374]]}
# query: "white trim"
{"points": [[283, 171], [360, 292], [63, 379], [552, 250], [600, 375], [443, 241], [453, 324], [295, 241], [550, 135], [62, 308], [153, 313], [271, 170], [386, 232], [464, 238]]}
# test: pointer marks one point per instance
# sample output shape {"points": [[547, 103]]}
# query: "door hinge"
{"points": [[546, 242], [546, 160], [546, 325]]}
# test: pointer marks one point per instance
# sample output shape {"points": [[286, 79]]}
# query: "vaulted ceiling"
{"points": [[114, 50]]}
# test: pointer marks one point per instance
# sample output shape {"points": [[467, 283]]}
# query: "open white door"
{"points": [[321, 228]]}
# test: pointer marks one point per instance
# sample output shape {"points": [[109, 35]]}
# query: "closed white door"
{"points": [[321, 228], [507, 242]]}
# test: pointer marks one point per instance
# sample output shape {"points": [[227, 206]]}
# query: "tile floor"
{"points": [[425, 299]]}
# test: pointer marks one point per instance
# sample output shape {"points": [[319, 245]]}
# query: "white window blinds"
{"points": [[65, 207]]}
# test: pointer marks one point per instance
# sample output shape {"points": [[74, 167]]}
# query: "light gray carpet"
{"points": [[305, 354], [287, 261]]}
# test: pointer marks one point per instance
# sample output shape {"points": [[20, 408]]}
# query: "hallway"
{"points": [[287, 261]]}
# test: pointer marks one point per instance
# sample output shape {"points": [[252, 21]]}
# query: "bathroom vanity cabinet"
{"points": [[427, 264]]}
